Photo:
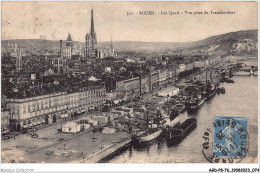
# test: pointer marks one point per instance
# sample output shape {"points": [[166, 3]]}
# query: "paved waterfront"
{"points": [[77, 146]]}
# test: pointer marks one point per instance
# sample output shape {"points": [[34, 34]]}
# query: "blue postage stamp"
{"points": [[230, 136]]}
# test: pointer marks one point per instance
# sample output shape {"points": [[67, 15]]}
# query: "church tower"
{"points": [[69, 47], [112, 51], [19, 61], [91, 39], [58, 61]]}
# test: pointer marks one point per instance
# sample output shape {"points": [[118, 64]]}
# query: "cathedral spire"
{"points": [[92, 31], [91, 39], [111, 44]]}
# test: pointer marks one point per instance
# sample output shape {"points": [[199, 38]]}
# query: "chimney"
{"points": [[60, 48]]}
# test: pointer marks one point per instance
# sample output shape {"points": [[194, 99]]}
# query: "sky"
{"points": [[54, 20]]}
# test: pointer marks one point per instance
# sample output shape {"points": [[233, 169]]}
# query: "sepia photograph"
{"points": [[156, 82]]}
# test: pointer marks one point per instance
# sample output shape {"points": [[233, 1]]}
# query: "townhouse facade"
{"points": [[162, 77], [154, 80], [132, 88], [145, 81], [4, 119]]}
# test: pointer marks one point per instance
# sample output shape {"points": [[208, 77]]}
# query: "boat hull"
{"points": [[174, 122], [175, 139], [150, 136], [211, 94], [181, 110], [196, 107]]}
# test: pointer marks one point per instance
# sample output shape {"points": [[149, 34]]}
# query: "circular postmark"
{"points": [[227, 141]]}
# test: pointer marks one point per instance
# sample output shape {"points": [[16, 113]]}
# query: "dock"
{"points": [[94, 158]]}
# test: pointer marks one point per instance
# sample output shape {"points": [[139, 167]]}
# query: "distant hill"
{"points": [[233, 41], [246, 34], [118, 45], [39, 43], [143, 46]]}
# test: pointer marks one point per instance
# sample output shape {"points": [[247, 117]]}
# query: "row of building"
{"points": [[128, 89], [47, 109], [119, 89]]}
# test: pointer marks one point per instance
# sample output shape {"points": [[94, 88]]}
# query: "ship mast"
{"points": [[192, 66], [158, 117], [206, 74]]}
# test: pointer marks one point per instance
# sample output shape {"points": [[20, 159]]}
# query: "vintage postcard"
{"points": [[129, 82]]}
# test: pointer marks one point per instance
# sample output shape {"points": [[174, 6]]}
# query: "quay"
{"points": [[73, 148], [94, 158]]}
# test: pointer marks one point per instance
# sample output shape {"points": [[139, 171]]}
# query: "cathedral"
{"points": [[91, 43]]}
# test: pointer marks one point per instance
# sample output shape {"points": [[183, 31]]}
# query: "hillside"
{"points": [[229, 42], [143, 46], [39, 43], [120, 46], [240, 41]]}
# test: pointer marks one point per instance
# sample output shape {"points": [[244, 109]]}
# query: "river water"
{"points": [[240, 99]]}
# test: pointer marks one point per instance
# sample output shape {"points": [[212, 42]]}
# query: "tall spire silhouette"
{"points": [[111, 44], [91, 39], [92, 29]]}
